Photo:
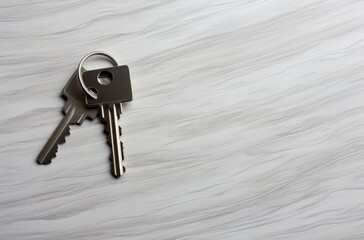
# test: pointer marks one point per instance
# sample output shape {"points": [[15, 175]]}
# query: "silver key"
{"points": [[112, 86], [75, 111]]}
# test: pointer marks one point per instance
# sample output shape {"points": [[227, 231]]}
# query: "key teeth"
{"points": [[62, 140], [109, 118], [107, 132], [122, 152], [44, 162], [111, 163], [49, 160], [106, 129], [54, 150]]}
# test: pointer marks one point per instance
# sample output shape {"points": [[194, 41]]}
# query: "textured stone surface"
{"points": [[247, 120]]}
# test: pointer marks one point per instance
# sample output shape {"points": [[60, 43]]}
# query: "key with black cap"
{"points": [[112, 86], [75, 111]]}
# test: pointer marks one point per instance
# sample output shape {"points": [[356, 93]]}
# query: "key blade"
{"points": [[113, 130], [59, 136], [75, 111]]}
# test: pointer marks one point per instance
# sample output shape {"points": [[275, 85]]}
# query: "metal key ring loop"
{"points": [[79, 70]]}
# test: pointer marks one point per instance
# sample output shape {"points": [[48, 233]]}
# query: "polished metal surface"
{"points": [[80, 67], [76, 112], [112, 129], [111, 94]]}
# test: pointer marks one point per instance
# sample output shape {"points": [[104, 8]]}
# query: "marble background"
{"points": [[246, 123]]}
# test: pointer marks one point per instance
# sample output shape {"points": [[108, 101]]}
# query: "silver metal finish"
{"points": [[109, 100], [79, 70], [75, 111], [110, 117]]}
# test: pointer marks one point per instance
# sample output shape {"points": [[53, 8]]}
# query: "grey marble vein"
{"points": [[247, 120]]}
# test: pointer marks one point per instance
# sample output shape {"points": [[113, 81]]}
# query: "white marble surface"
{"points": [[247, 120]]}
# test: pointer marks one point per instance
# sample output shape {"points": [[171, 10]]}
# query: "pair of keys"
{"points": [[91, 93]]}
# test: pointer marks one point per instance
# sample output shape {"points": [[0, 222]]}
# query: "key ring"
{"points": [[79, 70]]}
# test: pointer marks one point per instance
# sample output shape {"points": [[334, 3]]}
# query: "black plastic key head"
{"points": [[112, 85]]}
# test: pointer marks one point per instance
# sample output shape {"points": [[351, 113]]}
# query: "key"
{"points": [[75, 111], [112, 86]]}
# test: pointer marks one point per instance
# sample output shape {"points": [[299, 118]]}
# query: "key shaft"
{"points": [[59, 135], [75, 111], [110, 95], [110, 115]]}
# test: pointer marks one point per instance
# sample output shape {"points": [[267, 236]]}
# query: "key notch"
{"points": [[94, 90]]}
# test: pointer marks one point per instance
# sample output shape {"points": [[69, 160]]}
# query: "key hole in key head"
{"points": [[94, 90], [104, 77]]}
